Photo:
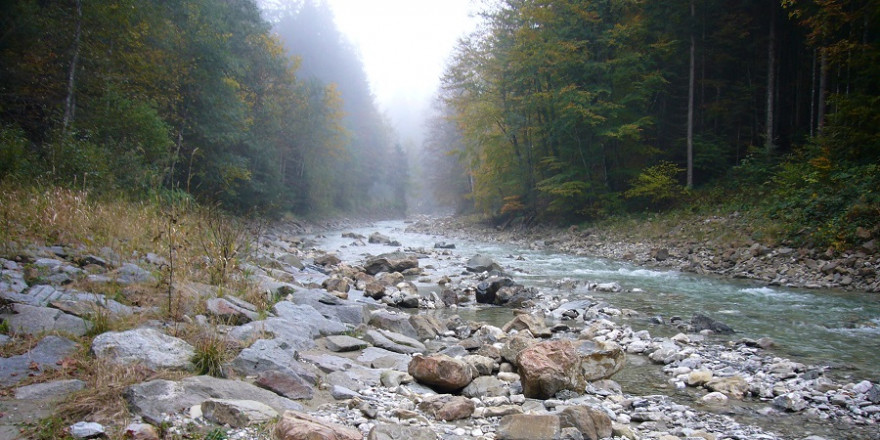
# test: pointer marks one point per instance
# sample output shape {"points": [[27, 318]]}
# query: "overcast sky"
{"points": [[404, 45]]}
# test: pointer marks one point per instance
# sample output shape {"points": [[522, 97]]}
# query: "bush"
{"points": [[15, 159], [658, 185], [823, 204]]}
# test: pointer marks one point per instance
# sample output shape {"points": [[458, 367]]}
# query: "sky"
{"points": [[404, 46]]}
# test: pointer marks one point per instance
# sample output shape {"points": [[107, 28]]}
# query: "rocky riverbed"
{"points": [[680, 249], [359, 348]]}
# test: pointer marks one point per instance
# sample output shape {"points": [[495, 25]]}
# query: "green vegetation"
{"points": [[190, 99], [573, 111]]}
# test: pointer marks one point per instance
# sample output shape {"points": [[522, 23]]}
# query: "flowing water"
{"points": [[817, 327]]}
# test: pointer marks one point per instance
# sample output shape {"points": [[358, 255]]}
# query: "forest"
{"points": [[202, 99], [572, 111], [562, 111]]}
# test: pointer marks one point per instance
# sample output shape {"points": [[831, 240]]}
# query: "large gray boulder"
{"points": [[270, 355], [395, 342], [147, 346], [376, 357], [31, 320], [395, 322], [332, 307], [53, 390], [278, 328], [47, 355], [151, 400], [308, 319], [481, 263]]}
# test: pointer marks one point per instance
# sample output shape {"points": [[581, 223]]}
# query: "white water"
{"points": [[818, 327]]}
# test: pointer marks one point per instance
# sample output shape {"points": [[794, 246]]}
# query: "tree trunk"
{"points": [[813, 96], [769, 145], [690, 121], [823, 85], [71, 74]]}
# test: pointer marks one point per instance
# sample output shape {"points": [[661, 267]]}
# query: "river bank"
{"points": [[702, 245], [359, 333]]}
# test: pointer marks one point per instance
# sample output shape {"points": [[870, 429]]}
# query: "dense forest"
{"points": [[205, 99], [563, 110], [577, 110]]}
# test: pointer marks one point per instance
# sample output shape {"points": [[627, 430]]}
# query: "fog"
{"points": [[404, 45]]}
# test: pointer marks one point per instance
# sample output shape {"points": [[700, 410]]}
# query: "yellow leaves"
{"points": [[512, 204]]}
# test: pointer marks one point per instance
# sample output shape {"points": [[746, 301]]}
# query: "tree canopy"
{"points": [[202, 97]]}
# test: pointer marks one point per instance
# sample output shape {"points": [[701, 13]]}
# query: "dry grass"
{"points": [[199, 245]]}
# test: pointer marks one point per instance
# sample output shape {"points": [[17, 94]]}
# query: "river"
{"points": [[836, 330]]}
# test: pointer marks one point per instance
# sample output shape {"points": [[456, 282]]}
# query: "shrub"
{"points": [[658, 185]]}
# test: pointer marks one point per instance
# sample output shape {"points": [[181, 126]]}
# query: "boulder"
{"points": [[701, 322], [46, 355], [480, 263], [337, 286], [390, 262], [440, 372], [551, 366], [140, 431], [32, 320], [308, 319], [295, 425], [487, 290], [482, 365], [230, 313], [152, 400], [49, 390], [792, 402], [343, 343], [374, 289], [237, 413], [271, 355], [514, 346], [86, 430], [327, 260], [395, 322], [332, 307], [376, 357], [391, 378], [130, 273], [485, 386], [292, 260], [377, 238], [150, 347], [733, 386], [447, 407], [529, 427], [384, 431], [528, 322], [593, 424], [280, 328], [283, 383], [427, 326], [395, 342]]}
